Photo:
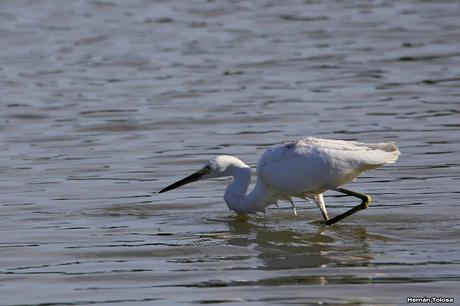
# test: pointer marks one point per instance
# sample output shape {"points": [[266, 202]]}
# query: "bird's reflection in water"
{"points": [[314, 245]]}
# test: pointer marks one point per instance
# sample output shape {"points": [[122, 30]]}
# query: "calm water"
{"points": [[104, 102]]}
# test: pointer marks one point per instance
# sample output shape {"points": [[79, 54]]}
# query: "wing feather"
{"points": [[313, 165]]}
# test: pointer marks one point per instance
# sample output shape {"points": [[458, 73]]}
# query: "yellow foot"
{"points": [[368, 200]]}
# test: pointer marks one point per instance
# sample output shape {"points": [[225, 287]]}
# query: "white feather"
{"points": [[313, 165]]}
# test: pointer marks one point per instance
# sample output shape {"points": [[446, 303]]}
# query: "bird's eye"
{"points": [[207, 169]]}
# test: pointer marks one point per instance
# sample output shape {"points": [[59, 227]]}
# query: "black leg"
{"points": [[366, 200]]}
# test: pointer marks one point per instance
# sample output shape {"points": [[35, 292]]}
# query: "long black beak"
{"points": [[189, 179]]}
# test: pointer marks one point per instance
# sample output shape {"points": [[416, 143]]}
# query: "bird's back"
{"points": [[313, 165]]}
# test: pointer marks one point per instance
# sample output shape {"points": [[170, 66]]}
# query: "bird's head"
{"points": [[219, 166]]}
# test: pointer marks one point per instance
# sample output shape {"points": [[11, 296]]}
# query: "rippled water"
{"points": [[104, 102]]}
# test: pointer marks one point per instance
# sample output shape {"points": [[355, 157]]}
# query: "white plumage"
{"points": [[304, 168], [313, 165]]}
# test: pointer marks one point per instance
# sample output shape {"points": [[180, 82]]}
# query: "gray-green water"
{"points": [[104, 102]]}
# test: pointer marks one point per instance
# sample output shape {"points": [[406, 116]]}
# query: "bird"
{"points": [[304, 169]]}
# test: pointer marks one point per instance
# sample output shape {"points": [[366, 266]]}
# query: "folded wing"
{"points": [[313, 165]]}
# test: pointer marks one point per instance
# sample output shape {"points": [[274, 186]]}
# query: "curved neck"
{"points": [[235, 195]]}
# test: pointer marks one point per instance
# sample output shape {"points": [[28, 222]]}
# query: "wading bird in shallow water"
{"points": [[304, 169]]}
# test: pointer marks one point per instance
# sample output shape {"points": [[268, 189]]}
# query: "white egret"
{"points": [[304, 169]]}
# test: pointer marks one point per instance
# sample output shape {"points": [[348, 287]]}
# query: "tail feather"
{"points": [[375, 155], [389, 152]]}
